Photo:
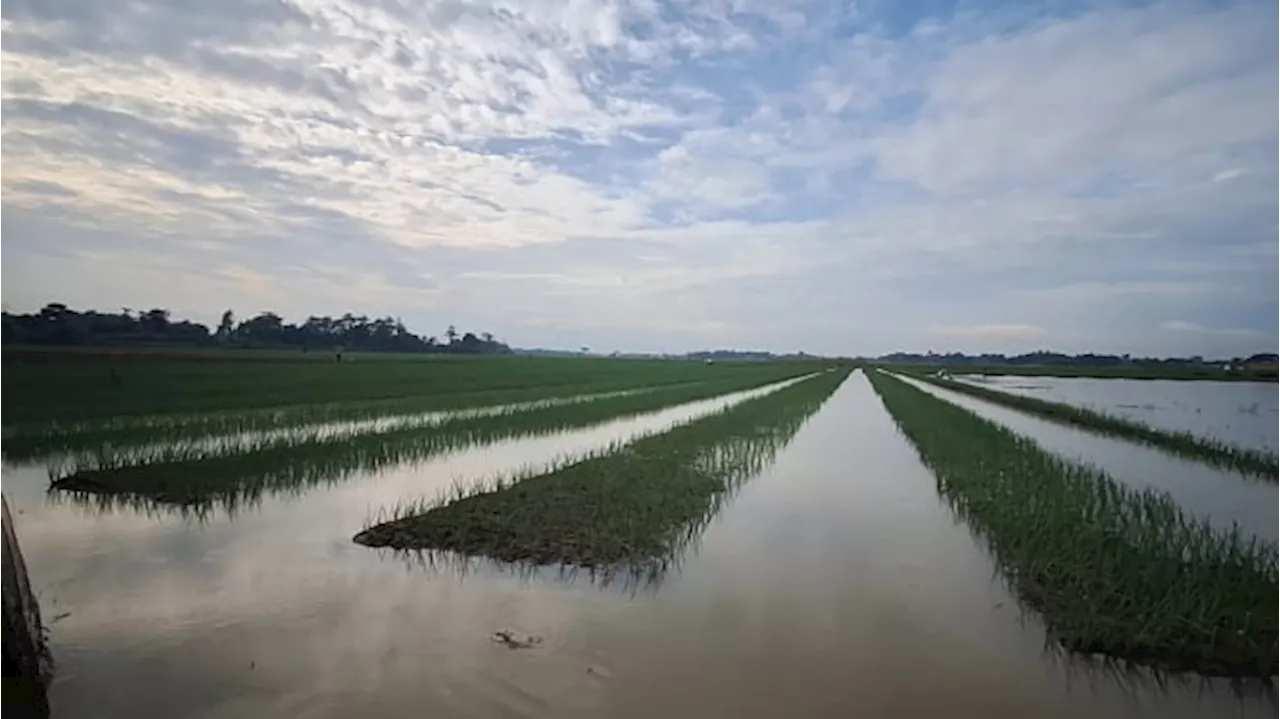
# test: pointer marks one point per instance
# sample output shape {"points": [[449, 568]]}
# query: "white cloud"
{"points": [[777, 175], [1136, 93]]}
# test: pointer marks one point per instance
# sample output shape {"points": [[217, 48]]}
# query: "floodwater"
{"points": [[836, 583], [1242, 413], [1222, 497]]}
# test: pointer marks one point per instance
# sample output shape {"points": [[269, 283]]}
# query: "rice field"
{"points": [[168, 402], [631, 506], [1244, 459], [795, 538], [1112, 571], [229, 472], [1241, 413], [65, 393]]}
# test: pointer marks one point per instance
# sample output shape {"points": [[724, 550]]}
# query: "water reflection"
{"points": [[634, 504], [835, 584], [233, 481], [629, 580], [176, 443], [72, 439], [1221, 497], [1242, 413]]}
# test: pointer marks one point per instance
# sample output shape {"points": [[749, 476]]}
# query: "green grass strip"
{"points": [[32, 441], [290, 464], [632, 507], [1112, 570], [79, 392], [1185, 444]]}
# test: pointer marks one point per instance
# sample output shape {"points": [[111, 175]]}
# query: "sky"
{"points": [[840, 178]]}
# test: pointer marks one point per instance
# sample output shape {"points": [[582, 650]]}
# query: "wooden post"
{"points": [[24, 660]]}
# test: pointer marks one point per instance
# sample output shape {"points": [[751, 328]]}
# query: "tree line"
{"points": [[57, 324]]}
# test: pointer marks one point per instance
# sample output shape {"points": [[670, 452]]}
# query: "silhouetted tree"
{"points": [[55, 324], [226, 325]]}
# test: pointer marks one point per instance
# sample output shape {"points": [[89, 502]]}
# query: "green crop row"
{"points": [[1112, 570], [42, 439], [68, 393], [1185, 444], [162, 437], [633, 506], [293, 462]]}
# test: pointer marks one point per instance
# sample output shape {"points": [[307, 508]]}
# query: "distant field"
{"points": [[1126, 372], [26, 354], [42, 385]]}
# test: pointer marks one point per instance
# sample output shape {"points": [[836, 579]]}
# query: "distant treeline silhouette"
{"points": [[57, 324]]}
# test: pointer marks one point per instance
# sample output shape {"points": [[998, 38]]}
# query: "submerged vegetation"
{"points": [[635, 505], [200, 472], [1186, 444], [1112, 570]]}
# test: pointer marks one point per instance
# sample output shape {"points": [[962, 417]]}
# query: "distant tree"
{"points": [[56, 324], [53, 309], [9, 333], [226, 325], [155, 321], [263, 330]]}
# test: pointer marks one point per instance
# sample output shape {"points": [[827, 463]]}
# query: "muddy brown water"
{"points": [[834, 584]]}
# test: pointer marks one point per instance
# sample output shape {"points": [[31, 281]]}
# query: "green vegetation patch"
{"points": [[1186, 444], [634, 506], [1112, 570], [135, 434], [292, 463], [62, 393]]}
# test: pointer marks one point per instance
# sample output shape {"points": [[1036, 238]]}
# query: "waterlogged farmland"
{"points": [[548, 538], [1243, 413]]}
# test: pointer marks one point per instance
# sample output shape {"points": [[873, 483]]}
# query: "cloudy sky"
{"points": [[778, 174]]}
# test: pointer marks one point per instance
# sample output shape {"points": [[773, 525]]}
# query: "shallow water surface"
{"points": [[1220, 496], [834, 584], [1243, 413]]}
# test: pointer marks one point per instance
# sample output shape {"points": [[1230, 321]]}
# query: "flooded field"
{"points": [[833, 582], [1243, 413], [1220, 496]]}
